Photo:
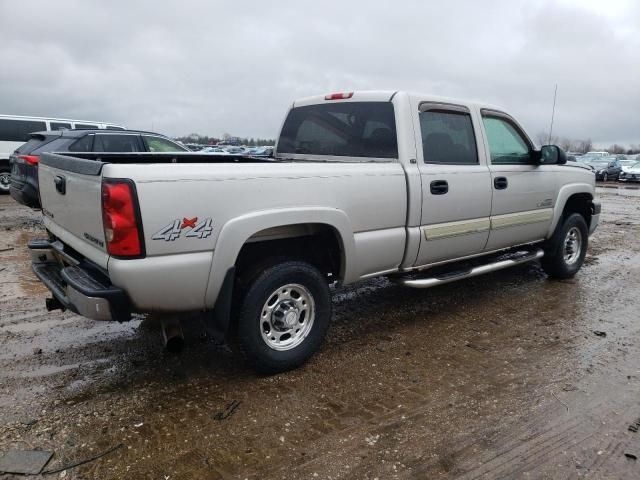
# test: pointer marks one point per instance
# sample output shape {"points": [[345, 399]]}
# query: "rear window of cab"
{"points": [[350, 129]]}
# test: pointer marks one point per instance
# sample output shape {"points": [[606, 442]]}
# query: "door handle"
{"points": [[61, 184], [500, 183], [439, 187]]}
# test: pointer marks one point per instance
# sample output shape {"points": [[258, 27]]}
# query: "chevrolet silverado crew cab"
{"points": [[422, 189]]}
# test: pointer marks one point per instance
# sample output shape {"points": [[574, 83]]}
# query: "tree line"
{"points": [[226, 138], [584, 146]]}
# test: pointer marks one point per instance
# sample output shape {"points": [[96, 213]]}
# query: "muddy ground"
{"points": [[500, 376]]}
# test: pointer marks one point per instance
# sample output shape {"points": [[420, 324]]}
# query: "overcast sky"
{"points": [[215, 67]]}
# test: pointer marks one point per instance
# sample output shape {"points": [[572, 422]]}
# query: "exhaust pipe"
{"points": [[172, 334]]}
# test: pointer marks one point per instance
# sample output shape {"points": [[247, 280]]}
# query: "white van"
{"points": [[15, 130]]}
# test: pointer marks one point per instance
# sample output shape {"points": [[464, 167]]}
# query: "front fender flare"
{"points": [[563, 195]]}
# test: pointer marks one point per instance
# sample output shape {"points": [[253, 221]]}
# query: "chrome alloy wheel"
{"points": [[287, 317], [572, 246]]}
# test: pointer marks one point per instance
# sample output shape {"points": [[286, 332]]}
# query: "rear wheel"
{"points": [[284, 316], [5, 179], [564, 255]]}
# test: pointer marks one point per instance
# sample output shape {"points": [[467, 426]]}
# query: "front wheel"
{"points": [[284, 316], [605, 177], [5, 179], [566, 251]]}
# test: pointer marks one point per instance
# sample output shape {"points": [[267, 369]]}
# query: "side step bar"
{"points": [[428, 282]]}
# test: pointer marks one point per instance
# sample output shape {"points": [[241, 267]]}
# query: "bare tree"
{"points": [[584, 146], [566, 144], [543, 139], [616, 149]]}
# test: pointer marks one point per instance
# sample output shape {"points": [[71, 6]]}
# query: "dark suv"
{"points": [[24, 161]]}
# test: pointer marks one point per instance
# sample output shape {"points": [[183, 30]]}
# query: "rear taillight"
{"points": [[339, 96], [30, 159], [120, 217]]}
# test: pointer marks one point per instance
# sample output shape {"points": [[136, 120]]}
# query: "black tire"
{"points": [[254, 322], [5, 179], [605, 177], [555, 262]]}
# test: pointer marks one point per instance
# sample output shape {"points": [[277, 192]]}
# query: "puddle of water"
{"points": [[16, 278]]}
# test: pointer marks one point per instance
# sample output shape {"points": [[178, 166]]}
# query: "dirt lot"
{"points": [[500, 376]]}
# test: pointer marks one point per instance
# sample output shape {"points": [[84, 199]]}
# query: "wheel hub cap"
{"points": [[572, 246], [287, 317]]}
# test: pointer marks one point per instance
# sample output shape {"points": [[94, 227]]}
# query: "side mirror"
{"points": [[552, 155]]}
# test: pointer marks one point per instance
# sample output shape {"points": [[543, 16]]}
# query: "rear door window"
{"points": [[448, 137], [59, 126], [350, 129], [19, 130], [159, 144], [116, 143]]}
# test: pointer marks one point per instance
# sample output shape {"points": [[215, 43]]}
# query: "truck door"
{"points": [[456, 188], [523, 190]]}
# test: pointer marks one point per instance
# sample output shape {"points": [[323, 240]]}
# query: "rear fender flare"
{"points": [[235, 233]]}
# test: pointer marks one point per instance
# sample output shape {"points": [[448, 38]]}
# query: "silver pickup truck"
{"points": [[422, 189]]}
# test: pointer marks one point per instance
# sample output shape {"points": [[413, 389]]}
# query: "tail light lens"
{"points": [[30, 159], [121, 219]]}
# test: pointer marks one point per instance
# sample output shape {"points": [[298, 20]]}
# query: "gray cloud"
{"points": [[214, 67]]}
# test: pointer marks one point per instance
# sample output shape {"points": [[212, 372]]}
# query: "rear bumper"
{"points": [[24, 185], [79, 288], [25, 194]]}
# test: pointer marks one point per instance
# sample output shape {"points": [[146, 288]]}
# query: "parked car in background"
{"points": [[15, 130], [627, 163], [24, 161], [195, 147], [596, 154], [630, 173], [235, 150], [215, 150], [262, 152], [605, 168]]}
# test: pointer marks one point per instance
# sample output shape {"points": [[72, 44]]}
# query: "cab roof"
{"points": [[387, 96]]}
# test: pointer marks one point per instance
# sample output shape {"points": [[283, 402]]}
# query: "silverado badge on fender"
{"points": [[191, 226]]}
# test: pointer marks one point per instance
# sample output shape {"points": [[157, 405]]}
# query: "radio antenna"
{"points": [[553, 112]]}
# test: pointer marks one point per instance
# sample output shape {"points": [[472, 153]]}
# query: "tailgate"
{"points": [[70, 193]]}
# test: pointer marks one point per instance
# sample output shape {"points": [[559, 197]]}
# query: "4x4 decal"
{"points": [[190, 226]]}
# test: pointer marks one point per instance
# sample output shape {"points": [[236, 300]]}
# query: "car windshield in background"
{"points": [[351, 129]]}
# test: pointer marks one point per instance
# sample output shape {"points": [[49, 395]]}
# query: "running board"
{"points": [[428, 282]]}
